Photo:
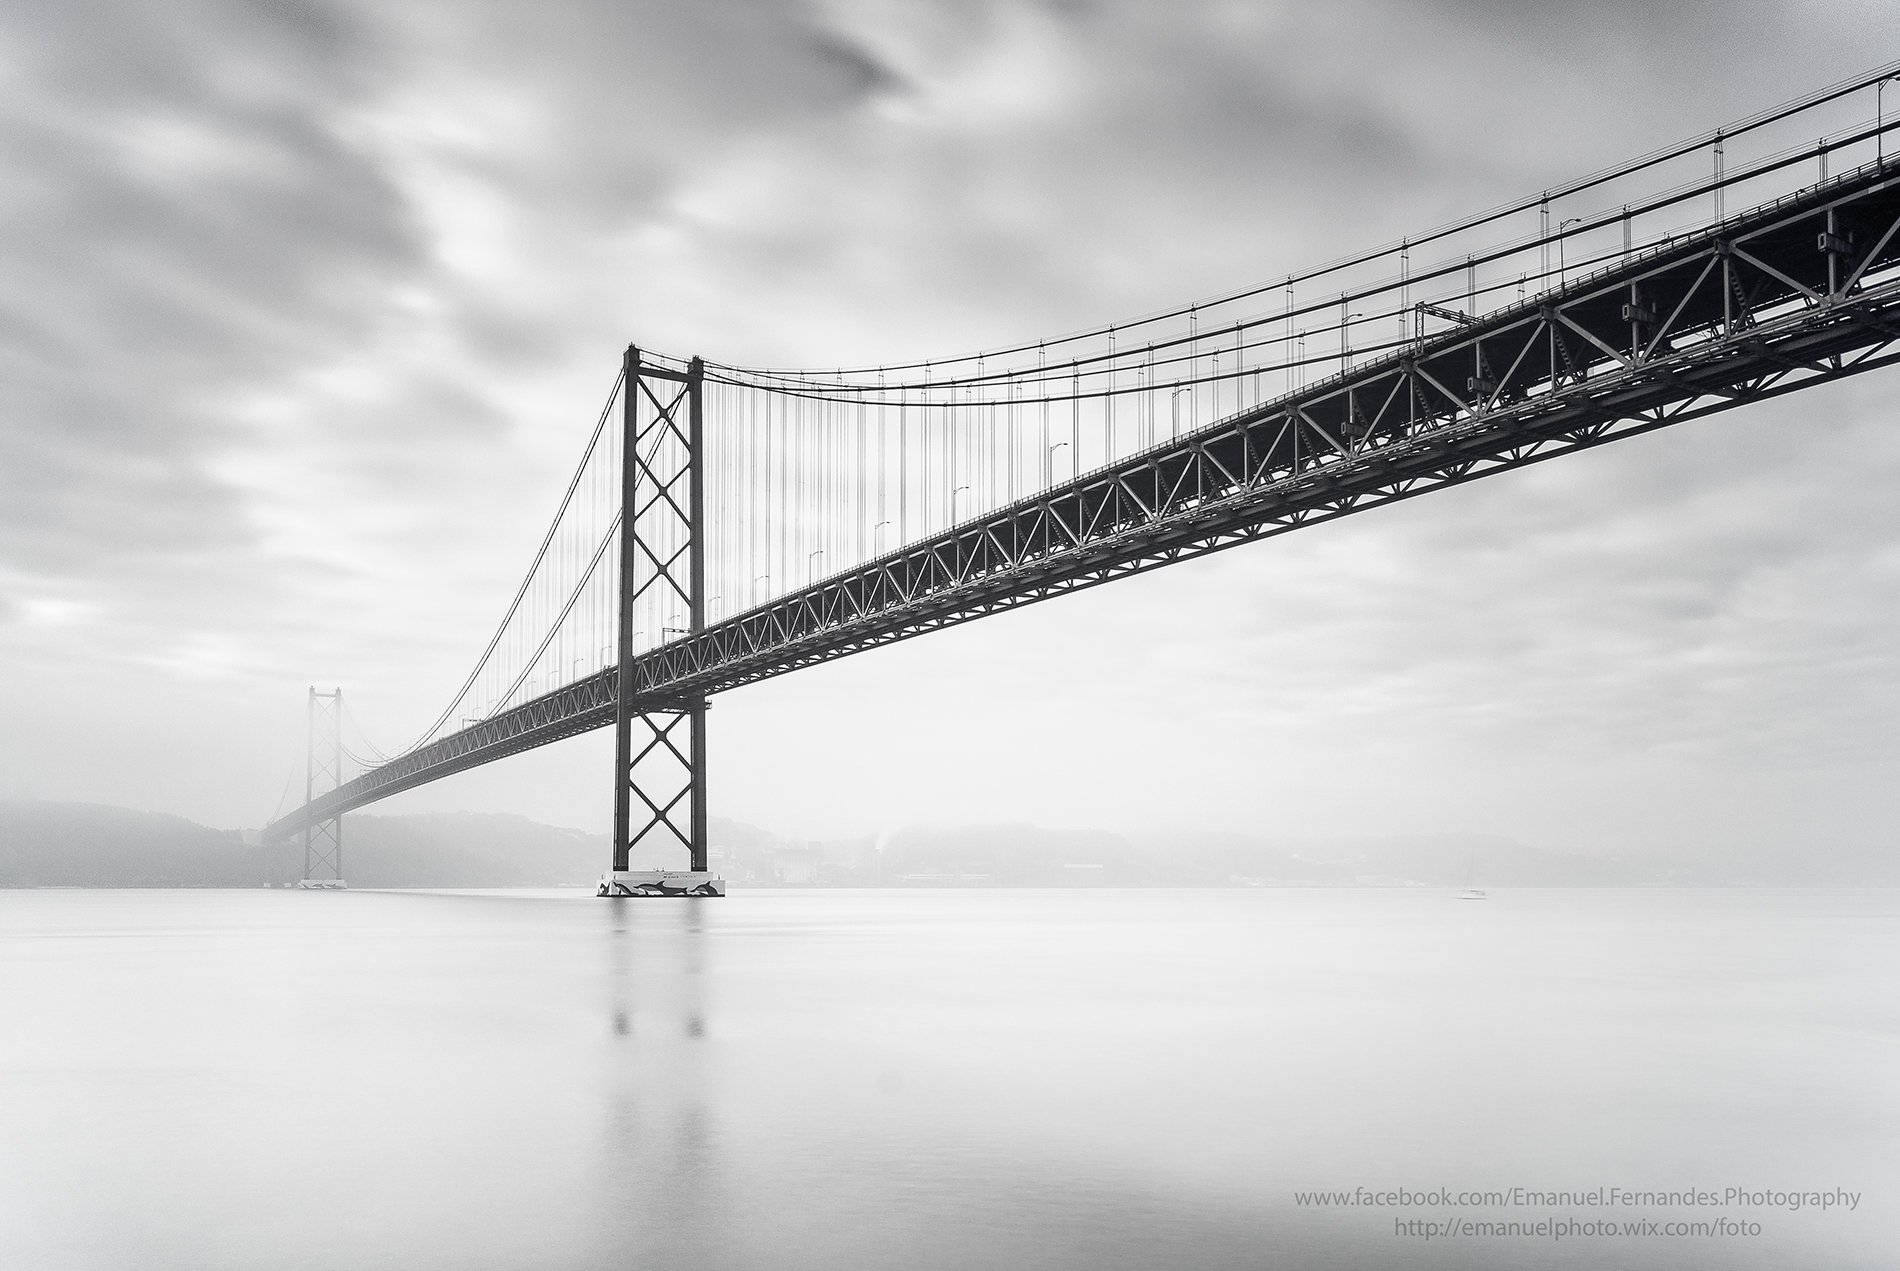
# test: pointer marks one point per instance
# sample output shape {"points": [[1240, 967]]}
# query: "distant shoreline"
{"points": [[59, 846]]}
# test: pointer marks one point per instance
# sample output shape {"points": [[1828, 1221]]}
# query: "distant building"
{"points": [[797, 866]]}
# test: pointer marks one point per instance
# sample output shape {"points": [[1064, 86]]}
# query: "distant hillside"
{"points": [[1444, 860], [44, 844], [88, 845], [466, 849], [1018, 856], [1820, 864], [91, 845], [1015, 855]]}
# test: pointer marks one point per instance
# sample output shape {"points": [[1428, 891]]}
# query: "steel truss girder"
{"points": [[1309, 459], [1706, 323]]}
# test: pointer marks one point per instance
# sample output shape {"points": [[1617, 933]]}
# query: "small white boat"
{"points": [[1471, 870]]}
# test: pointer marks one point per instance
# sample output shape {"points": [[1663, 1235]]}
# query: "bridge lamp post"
{"points": [[1561, 225], [1050, 479], [875, 536], [953, 502], [1174, 411], [811, 571], [1345, 340], [757, 579]]}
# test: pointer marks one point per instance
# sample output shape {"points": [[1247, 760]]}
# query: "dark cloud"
{"points": [[860, 73], [180, 220]]}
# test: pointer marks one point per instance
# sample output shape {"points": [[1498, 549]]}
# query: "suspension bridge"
{"points": [[726, 524]]}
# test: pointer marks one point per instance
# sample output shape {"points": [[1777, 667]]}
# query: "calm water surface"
{"points": [[935, 1079]]}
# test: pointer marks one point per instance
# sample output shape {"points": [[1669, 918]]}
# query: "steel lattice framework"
{"points": [[323, 770], [1798, 292], [662, 532]]}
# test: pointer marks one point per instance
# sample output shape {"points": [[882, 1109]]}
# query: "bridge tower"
{"points": [[322, 773], [660, 742]]}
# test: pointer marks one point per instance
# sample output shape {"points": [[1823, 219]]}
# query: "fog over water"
{"points": [[236, 1079]]}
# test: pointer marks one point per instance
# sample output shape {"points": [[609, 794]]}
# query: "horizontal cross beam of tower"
{"points": [[1797, 292]]}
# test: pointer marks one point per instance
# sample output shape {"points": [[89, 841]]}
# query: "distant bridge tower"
{"points": [[323, 773], [660, 742]]}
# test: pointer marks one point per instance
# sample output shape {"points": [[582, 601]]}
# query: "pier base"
{"points": [[321, 884], [660, 882]]}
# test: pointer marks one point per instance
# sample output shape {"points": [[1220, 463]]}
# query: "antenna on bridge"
{"points": [[662, 550], [323, 773]]}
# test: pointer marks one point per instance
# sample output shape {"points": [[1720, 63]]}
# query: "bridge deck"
{"points": [[1781, 297]]}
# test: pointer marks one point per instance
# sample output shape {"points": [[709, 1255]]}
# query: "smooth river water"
{"points": [[939, 1079]]}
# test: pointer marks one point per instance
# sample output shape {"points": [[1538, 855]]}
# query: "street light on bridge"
{"points": [[1561, 277]]}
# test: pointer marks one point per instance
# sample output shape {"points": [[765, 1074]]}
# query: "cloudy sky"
{"points": [[306, 309]]}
